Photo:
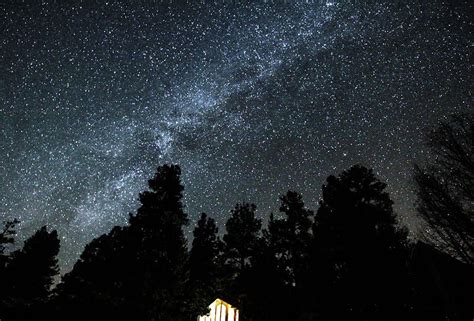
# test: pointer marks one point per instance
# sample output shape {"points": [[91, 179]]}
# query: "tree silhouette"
{"points": [[241, 243], [350, 263], [158, 226], [273, 280], [204, 265], [138, 271], [7, 234], [290, 237], [445, 187], [105, 282], [33, 268], [241, 239], [359, 254], [6, 239], [29, 276]]}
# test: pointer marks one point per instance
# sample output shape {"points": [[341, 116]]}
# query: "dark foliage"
{"points": [[278, 269], [134, 272], [33, 268], [241, 243], [205, 266], [351, 262], [7, 235], [30, 273], [241, 239], [6, 239], [445, 187], [290, 237], [358, 264]]}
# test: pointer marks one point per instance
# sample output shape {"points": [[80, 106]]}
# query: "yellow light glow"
{"points": [[220, 311]]}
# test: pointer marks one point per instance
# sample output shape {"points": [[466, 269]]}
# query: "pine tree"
{"points": [[158, 225], [6, 239], [241, 239], [138, 271], [105, 282], [290, 236], [359, 253], [204, 265], [241, 245], [33, 268]]}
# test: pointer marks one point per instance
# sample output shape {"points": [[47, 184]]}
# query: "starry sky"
{"points": [[251, 99]]}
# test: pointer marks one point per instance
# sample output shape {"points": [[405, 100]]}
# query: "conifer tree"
{"points": [[241, 239], [241, 244], [7, 234], [290, 236], [158, 228], [205, 261], [138, 271], [357, 245], [33, 268]]}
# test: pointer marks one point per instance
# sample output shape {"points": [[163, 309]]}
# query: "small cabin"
{"points": [[220, 311]]}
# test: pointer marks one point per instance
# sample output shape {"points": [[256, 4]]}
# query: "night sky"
{"points": [[249, 99]]}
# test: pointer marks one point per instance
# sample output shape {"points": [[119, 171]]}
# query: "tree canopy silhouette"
{"points": [[205, 265], [290, 236], [135, 271], [29, 276], [352, 261], [241, 239], [445, 187], [33, 268], [357, 245], [7, 234]]}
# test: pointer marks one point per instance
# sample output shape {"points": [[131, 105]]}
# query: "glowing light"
{"points": [[220, 311]]}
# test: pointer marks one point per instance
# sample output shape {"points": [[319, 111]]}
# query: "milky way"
{"points": [[250, 99]]}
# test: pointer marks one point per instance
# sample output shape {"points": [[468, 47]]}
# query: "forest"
{"points": [[349, 259]]}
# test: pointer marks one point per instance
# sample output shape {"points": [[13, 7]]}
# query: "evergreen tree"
{"points": [[359, 253], [204, 265], [158, 227], [33, 268], [266, 291], [241, 245], [6, 239], [105, 282], [241, 239], [29, 276], [7, 234], [290, 236], [138, 271]]}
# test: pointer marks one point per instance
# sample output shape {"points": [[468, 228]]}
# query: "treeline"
{"points": [[349, 260]]}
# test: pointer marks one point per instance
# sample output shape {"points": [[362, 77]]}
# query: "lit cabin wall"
{"points": [[220, 311]]}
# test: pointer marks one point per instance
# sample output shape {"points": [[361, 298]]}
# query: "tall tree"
{"points": [[241, 244], [158, 226], [204, 265], [241, 239], [357, 245], [105, 283], [137, 271], [7, 234], [290, 236], [6, 238], [33, 268], [445, 187]]}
